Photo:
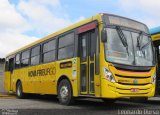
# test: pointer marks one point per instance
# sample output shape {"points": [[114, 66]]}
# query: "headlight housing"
{"points": [[154, 78], [108, 75]]}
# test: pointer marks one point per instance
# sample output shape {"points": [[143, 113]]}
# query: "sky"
{"points": [[24, 21]]}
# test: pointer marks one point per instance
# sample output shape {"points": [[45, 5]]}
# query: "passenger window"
{"points": [[49, 51], [17, 63], [66, 46], [25, 54], [66, 52], [35, 55], [66, 40], [51, 45], [25, 58]]}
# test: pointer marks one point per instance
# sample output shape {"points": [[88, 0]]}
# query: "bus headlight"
{"points": [[154, 78], [108, 75]]}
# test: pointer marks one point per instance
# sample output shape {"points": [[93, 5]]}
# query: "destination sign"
{"points": [[120, 21]]}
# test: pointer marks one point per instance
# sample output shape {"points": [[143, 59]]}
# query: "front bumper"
{"points": [[115, 90]]}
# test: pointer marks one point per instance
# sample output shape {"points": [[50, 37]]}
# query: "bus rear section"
{"points": [[155, 33]]}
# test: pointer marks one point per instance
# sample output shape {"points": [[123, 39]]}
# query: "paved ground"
{"points": [[45, 104]]}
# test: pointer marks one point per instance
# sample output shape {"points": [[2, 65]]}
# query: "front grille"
{"points": [[133, 80], [133, 84], [132, 68]]}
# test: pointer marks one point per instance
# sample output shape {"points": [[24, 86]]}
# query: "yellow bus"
{"points": [[105, 56], [155, 33]]}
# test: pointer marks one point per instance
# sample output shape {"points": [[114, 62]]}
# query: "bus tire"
{"points": [[19, 91], [65, 92], [109, 101]]}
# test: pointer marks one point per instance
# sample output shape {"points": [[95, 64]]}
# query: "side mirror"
{"points": [[104, 35]]}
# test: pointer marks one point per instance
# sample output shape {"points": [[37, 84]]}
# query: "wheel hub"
{"points": [[64, 92], [18, 91]]}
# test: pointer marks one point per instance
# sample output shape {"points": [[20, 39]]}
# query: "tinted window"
{"points": [[51, 45], [25, 58], [25, 54], [66, 46], [25, 62], [49, 51], [66, 40], [49, 56], [18, 57], [35, 60], [35, 55], [35, 51], [17, 63], [66, 52]]}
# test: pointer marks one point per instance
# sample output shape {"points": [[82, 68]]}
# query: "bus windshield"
{"points": [[129, 48]]}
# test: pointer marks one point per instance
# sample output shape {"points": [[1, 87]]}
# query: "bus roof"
{"points": [[155, 30]]}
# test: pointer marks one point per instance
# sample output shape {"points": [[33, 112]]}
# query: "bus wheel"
{"points": [[19, 90], [108, 100], [65, 92]]}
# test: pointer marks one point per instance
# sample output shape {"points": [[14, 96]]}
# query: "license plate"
{"points": [[134, 90]]}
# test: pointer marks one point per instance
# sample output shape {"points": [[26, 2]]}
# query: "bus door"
{"points": [[8, 74], [87, 49]]}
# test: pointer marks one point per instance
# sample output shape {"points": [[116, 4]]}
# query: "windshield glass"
{"points": [[143, 50], [115, 50], [131, 53]]}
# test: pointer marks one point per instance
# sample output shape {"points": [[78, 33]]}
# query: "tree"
{"points": [[2, 60]]}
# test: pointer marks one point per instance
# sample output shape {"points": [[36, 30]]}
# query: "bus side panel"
{"points": [[70, 72], [20, 74], [39, 79], [7, 81], [47, 79]]}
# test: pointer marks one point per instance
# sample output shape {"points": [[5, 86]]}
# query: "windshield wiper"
{"points": [[145, 45], [122, 38], [139, 40]]}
